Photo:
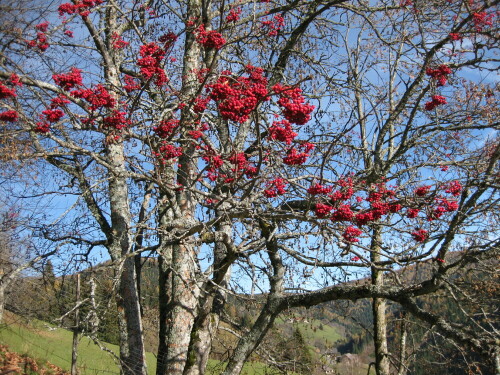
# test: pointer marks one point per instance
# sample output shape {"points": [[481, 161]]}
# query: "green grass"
{"points": [[47, 343], [311, 332]]}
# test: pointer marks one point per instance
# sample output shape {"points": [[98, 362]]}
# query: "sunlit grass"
{"points": [[48, 343]]}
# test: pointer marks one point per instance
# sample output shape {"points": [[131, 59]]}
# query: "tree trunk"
{"points": [[378, 309], [76, 328], [211, 306], [181, 310], [204, 330], [132, 352], [165, 291], [402, 345], [248, 343], [2, 301]]}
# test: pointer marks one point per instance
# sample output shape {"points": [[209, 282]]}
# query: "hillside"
{"points": [[333, 336], [46, 342]]}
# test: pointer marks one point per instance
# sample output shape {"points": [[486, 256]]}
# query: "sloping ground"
{"points": [[44, 341], [47, 343]]}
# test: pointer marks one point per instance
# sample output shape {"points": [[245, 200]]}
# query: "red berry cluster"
{"points": [[211, 39], [195, 134], [237, 97], [151, 56], [198, 132], [412, 213], [440, 74], [436, 101], [234, 15], [242, 165], [439, 205], [274, 25], [200, 104], [43, 27], [282, 131], [118, 42], [294, 157], [239, 160], [454, 188], [420, 235], [9, 116], [201, 74], [422, 191], [292, 101], [53, 115], [342, 213], [39, 42], [346, 191], [82, 7], [168, 40], [321, 210], [7, 92], [166, 128], [338, 195], [456, 36], [319, 189], [382, 201], [130, 84], [275, 187], [117, 120], [214, 162], [97, 97], [15, 80], [351, 233], [482, 20], [67, 81], [449, 206], [42, 128], [59, 101], [168, 152]]}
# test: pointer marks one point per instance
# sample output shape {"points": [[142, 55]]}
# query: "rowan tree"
{"points": [[250, 143]]}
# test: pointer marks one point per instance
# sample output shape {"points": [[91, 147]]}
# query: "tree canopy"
{"points": [[270, 148]]}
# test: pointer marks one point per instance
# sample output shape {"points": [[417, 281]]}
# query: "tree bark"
{"points": [[378, 309], [132, 352], [181, 310], [74, 349], [2, 301], [165, 291], [211, 306], [402, 345], [248, 343]]}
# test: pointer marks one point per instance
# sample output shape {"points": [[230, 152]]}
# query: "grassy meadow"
{"points": [[45, 342]]}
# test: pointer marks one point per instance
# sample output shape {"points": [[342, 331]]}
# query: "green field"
{"points": [[43, 341], [312, 331], [48, 343]]}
